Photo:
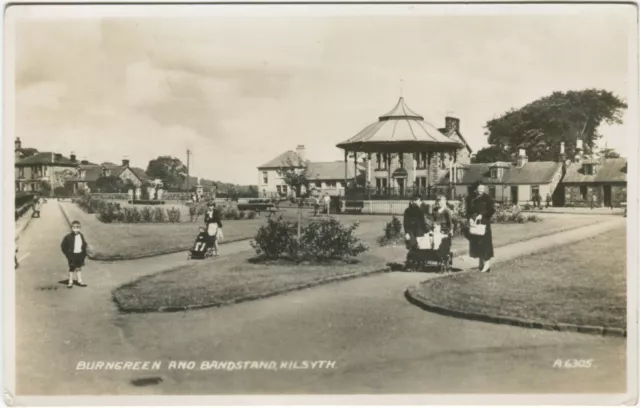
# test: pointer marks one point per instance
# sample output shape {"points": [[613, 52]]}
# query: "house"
{"points": [[512, 183], [322, 176], [87, 175], [50, 167], [606, 179]]}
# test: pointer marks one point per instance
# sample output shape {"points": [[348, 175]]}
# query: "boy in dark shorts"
{"points": [[74, 248]]}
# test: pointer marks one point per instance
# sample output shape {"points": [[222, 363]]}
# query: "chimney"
{"points": [[522, 157], [579, 151], [451, 124], [561, 156], [57, 157], [300, 151], [72, 156], [18, 144], [125, 162], [84, 162]]}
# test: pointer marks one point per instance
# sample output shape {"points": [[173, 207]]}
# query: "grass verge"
{"points": [[581, 284], [232, 279]]}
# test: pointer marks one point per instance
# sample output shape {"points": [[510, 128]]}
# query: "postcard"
{"points": [[321, 204]]}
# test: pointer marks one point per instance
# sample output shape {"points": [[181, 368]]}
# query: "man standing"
{"points": [[594, 200], [548, 200]]}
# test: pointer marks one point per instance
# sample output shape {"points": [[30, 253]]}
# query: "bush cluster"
{"points": [[320, 240], [147, 202], [392, 232], [513, 215], [109, 212]]}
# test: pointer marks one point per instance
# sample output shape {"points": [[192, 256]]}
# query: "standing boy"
{"points": [[74, 248]]}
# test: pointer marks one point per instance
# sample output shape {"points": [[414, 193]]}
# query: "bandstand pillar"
{"points": [[346, 156]]}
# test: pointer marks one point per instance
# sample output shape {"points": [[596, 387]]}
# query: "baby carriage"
{"points": [[434, 247], [203, 247]]}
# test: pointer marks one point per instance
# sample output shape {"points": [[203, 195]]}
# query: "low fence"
{"points": [[382, 193], [386, 207]]}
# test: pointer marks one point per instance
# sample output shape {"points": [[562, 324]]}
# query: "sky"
{"points": [[240, 90]]}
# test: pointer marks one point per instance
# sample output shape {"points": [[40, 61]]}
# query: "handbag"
{"points": [[477, 229]]}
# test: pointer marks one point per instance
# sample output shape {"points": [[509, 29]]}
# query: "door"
{"points": [[607, 196], [400, 183], [514, 195]]}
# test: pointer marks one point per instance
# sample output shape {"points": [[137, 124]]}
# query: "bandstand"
{"points": [[403, 156]]}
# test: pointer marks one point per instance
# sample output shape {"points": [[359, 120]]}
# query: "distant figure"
{"points": [[74, 248], [537, 200], [214, 225], [594, 201], [316, 205], [548, 200], [326, 203]]}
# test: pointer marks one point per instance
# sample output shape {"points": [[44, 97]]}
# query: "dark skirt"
{"points": [[481, 246], [76, 261]]}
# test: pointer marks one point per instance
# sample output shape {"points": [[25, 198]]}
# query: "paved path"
{"points": [[380, 342]]}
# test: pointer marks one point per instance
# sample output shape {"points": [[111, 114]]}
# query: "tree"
{"points": [[45, 188], [60, 178], [295, 174], [608, 153], [109, 184], [491, 154], [170, 170], [540, 126]]}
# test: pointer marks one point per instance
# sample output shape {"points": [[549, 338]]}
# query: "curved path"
{"points": [[380, 342]]}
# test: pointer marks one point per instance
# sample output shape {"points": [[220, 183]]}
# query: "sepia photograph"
{"points": [[339, 203]]}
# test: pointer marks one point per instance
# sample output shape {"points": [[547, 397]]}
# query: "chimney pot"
{"points": [[72, 156], [18, 143], [300, 151], [125, 162]]}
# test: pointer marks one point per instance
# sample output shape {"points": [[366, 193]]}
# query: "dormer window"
{"points": [[589, 169], [496, 172]]}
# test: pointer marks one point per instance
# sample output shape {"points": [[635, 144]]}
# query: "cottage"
{"points": [[606, 179]]}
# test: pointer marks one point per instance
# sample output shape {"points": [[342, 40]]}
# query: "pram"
{"points": [[432, 247], [203, 247]]}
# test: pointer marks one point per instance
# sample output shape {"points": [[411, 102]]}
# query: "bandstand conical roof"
{"points": [[400, 130]]}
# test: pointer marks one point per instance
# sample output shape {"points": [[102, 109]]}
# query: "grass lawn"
{"points": [[129, 241], [228, 279], [582, 283]]}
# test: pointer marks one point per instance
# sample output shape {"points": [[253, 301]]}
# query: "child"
{"points": [[74, 248]]}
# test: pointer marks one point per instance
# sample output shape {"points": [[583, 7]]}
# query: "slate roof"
{"points": [[282, 159], [532, 173], [92, 172], [46, 158], [331, 170], [529, 173], [609, 171], [141, 174]]}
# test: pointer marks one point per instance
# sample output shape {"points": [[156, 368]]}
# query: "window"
{"points": [[279, 189], [492, 191], [589, 169], [421, 159], [401, 160], [21, 172], [382, 160], [460, 175], [284, 190], [535, 191], [381, 184], [583, 192], [265, 177], [494, 173], [443, 163]]}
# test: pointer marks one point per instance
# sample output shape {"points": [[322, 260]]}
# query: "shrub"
{"points": [[147, 202], [329, 239], [276, 239], [193, 212], [392, 232], [146, 213], [132, 215], [241, 215], [230, 214], [109, 213], [251, 215], [159, 215], [173, 215]]}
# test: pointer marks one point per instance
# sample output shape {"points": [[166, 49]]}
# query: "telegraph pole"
{"points": [[188, 159]]}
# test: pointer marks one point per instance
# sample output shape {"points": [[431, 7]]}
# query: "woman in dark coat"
{"points": [[480, 210]]}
